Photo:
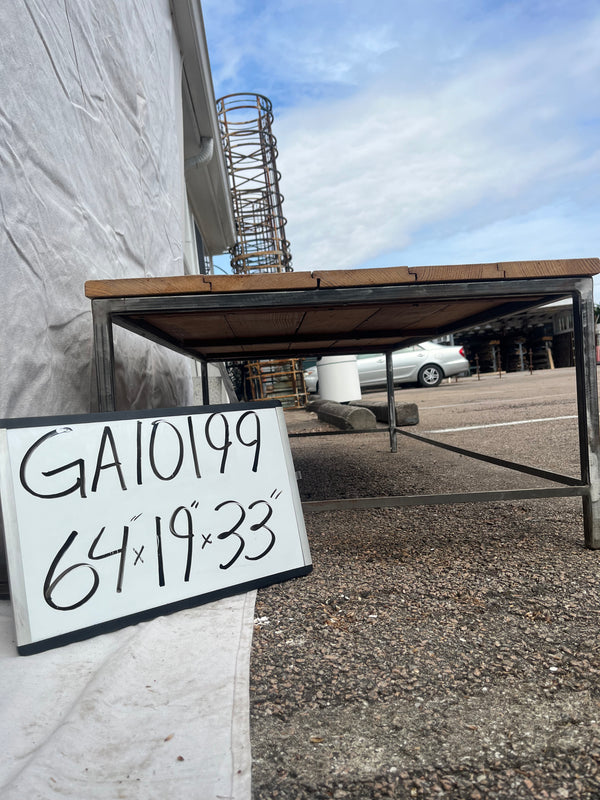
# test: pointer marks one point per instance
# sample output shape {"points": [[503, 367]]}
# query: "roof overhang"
{"points": [[206, 179]]}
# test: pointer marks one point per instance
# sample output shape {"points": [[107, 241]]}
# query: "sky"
{"points": [[415, 132]]}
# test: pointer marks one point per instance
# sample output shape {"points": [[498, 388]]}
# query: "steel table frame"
{"points": [[120, 311]]}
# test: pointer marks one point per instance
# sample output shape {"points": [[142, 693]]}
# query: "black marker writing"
{"points": [[188, 535], [79, 464], [107, 436], [233, 531], [51, 582], [258, 526], [252, 415], [155, 429], [224, 447], [122, 551]]}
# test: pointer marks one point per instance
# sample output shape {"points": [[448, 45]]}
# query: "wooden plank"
{"points": [[456, 272], [264, 282], [186, 327], [508, 269], [330, 320], [266, 350], [265, 322], [550, 269], [146, 287], [381, 276], [375, 344], [232, 353], [429, 315], [193, 284], [378, 276]]}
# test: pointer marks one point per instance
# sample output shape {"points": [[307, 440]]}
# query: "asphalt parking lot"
{"points": [[519, 416], [437, 651]]}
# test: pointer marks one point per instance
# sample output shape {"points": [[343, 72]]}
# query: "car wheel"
{"points": [[430, 375]]}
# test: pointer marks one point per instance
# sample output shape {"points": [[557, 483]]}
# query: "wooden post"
{"points": [[521, 356], [547, 343]]}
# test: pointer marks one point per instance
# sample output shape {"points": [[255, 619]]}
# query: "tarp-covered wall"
{"points": [[91, 186]]}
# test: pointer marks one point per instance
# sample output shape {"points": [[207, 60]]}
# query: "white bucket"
{"points": [[338, 378]]}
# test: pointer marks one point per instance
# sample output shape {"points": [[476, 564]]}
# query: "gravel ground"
{"points": [[435, 651]]}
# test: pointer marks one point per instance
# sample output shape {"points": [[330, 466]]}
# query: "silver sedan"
{"points": [[426, 363]]}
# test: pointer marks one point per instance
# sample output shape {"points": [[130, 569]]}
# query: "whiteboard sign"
{"points": [[114, 518]]}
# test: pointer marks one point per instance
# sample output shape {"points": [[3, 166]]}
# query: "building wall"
{"points": [[91, 181]]}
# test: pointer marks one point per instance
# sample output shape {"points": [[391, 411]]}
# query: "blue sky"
{"points": [[424, 132]]}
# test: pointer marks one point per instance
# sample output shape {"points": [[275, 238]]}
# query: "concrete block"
{"points": [[346, 417], [406, 413], [314, 403]]}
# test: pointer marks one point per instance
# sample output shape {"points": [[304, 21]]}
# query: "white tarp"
{"points": [[91, 186], [150, 712]]}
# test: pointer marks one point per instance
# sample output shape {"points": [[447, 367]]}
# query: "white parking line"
{"points": [[500, 424], [470, 403]]}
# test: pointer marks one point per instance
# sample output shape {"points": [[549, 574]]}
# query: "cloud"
{"points": [[562, 230], [293, 49], [406, 127], [364, 175]]}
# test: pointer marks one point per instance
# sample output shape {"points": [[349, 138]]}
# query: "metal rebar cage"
{"points": [[250, 149]]}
